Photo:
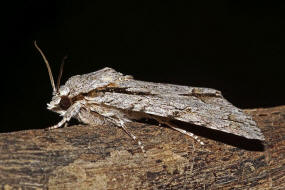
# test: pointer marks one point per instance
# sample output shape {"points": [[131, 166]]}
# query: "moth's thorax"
{"points": [[84, 85], [96, 80], [87, 85]]}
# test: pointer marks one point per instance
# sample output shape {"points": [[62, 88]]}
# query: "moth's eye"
{"points": [[64, 103]]}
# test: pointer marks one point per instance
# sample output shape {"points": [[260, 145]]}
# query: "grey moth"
{"points": [[109, 97]]}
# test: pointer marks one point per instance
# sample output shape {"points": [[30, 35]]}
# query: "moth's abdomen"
{"points": [[91, 118]]}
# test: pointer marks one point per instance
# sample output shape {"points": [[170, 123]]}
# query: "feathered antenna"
{"points": [[48, 67]]}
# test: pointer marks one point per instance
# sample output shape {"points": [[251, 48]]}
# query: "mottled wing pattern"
{"points": [[200, 106]]}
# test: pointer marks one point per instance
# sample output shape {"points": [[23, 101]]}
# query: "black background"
{"points": [[235, 47]]}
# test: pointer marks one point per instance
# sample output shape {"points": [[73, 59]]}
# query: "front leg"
{"points": [[70, 112]]}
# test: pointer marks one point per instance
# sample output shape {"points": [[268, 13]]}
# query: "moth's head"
{"points": [[60, 101]]}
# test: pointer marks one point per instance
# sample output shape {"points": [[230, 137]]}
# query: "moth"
{"points": [[108, 97]]}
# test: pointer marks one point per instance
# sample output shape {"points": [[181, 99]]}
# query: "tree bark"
{"points": [[104, 157]]}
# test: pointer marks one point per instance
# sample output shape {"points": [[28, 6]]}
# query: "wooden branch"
{"points": [[88, 157]]}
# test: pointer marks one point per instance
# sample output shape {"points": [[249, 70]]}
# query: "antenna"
{"points": [[60, 73], [48, 67]]}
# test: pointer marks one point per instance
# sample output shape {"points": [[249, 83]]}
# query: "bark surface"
{"points": [[104, 157]]}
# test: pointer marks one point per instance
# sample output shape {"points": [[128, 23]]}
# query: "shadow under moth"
{"points": [[108, 97]]}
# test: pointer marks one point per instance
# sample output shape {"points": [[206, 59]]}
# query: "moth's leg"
{"points": [[117, 118], [180, 130], [132, 136], [121, 123], [65, 124], [70, 112], [187, 133]]}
